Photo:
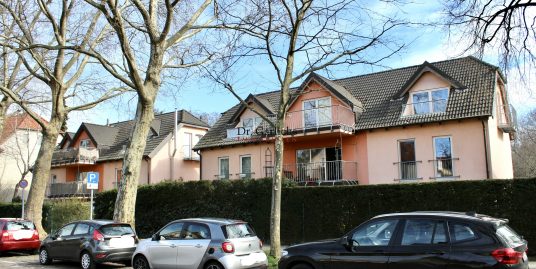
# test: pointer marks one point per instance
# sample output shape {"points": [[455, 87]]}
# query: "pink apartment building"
{"points": [[448, 120], [168, 154]]}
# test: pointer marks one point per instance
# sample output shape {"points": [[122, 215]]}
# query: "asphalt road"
{"points": [[20, 260]]}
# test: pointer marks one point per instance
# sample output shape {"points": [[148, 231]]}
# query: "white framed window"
{"points": [[223, 167], [430, 101], [85, 143], [187, 146], [316, 112], [245, 166], [443, 161]]}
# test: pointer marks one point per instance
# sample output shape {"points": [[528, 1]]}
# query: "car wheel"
{"points": [[86, 261], [44, 257], [140, 263], [213, 265], [302, 266]]}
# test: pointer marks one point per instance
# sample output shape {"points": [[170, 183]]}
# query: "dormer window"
{"points": [[85, 143], [251, 123], [426, 102]]}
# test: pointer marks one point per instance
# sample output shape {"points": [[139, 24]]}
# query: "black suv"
{"points": [[416, 240], [90, 242]]}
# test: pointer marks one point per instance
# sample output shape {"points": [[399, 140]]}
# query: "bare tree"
{"points": [[43, 28], [153, 36], [496, 25], [298, 38], [524, 147]]}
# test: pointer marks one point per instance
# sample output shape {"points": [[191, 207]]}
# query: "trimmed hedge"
{"points": [[55, 214], [310, 213]]}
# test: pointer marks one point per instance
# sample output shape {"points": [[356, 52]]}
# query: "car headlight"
{"points": [[284, 253]]}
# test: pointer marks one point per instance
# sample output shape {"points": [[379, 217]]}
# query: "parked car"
{"points": [[90, 242], [416, 240], [18, 235], [206, 243]]}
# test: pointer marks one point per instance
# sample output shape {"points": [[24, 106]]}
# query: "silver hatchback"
{"points": [[203, 243]]}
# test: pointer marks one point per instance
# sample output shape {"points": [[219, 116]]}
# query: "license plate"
{"points": [[122, 242], [252, 258], [22, 234]]}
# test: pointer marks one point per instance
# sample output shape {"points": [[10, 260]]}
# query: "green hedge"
{"points": [[55, 214], [310, 213]]}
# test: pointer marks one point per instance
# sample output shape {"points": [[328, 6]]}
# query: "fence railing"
{"points": [[507, 118], [76, 188], [317, 172], [75, 155], [408, 170], [444, 167], [425, 107]]}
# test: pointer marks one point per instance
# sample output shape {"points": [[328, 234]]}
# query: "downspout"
{"points": [[149, 171], [200, 165], [172, 157], [486, 147]]}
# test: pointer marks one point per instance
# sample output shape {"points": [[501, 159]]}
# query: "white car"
{"points": [[203, 243]]}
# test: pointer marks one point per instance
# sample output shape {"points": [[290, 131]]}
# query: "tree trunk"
{"points": [[275, 217], [4, 105], [125, 204], [41, 173]]}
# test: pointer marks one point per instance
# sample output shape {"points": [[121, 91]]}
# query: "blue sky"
{"points": [[427, 44]]}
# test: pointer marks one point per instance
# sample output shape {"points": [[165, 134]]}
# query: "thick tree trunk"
{"points": [[4, 105], [275, 217], [41, 174], [125, 204]]}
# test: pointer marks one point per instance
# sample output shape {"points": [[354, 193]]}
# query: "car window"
{"points": [[196, 231], [172, 231], [239, 230], [19, 225], [81, 229], [375, 233], [66, 230], [461, 232], [511, 238], [424, 232], [117, 229]]}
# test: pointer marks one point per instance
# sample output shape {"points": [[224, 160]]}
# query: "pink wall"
{"points": [[257, 152]]}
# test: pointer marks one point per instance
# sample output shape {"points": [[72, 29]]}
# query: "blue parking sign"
{"points": [[92, 180]]}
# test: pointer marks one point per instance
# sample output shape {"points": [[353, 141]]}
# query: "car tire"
{"points": [[301, 266], [44, 257], [86, 261], [213, 265], [140, 262]]}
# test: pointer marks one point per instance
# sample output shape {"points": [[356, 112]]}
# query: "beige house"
{"points": [[19, 146], [168, 154], [448, 120]]}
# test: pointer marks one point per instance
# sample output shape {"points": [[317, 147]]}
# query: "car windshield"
{"points": [[19, 225], [116, 229], [509, 236], [239, 230]]}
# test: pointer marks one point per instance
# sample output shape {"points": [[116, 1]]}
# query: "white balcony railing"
{"points": [[189, 154], [423, 108], [75, 155], [323, 118], [507, 118]]}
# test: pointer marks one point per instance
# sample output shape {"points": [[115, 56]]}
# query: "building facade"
{"points": [[449, 120], [168, 153]]}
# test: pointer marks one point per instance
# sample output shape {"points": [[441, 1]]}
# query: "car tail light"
{"points": [[35, 235], [507, 256], [227, 247], [98, 236], [5, 236]]}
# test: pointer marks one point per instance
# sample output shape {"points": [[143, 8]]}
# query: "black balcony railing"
{"points": [[68, 189], [318, 172], [408, 170], [444, 167]]}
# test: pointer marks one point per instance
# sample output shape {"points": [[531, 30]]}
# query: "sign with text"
{"points": [[92, 181]]}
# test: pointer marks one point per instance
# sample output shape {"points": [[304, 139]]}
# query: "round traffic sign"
{"points": [[23, 183]]}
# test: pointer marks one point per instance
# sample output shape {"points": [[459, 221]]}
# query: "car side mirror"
{"points": [[345, 241], [155, 237]]}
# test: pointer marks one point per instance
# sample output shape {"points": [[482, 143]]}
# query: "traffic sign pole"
{"points": [[92, 184], [91, 206], [22, 204], [23, 183]]}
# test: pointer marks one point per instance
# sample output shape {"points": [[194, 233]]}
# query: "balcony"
{"points": [[68, 189], [75, 156], [327, 118], [319, 173], [424, 108], [444, 168], [408, 170], [507, 118], [188, 154]]}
